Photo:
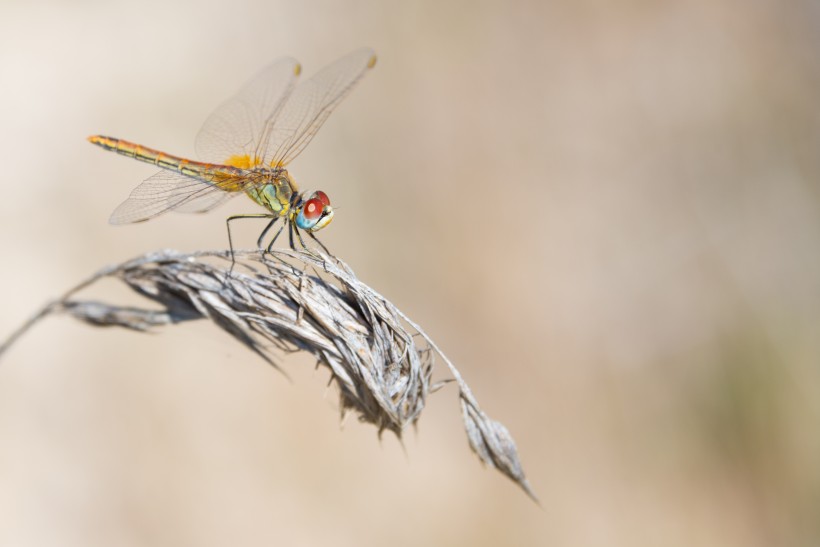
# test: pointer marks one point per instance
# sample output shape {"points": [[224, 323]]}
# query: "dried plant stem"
{"points": [[380, 359], [52, 307]]}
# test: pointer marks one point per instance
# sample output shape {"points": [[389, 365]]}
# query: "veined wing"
{"points": [[309, 105], [241, 125], [171, 190]]}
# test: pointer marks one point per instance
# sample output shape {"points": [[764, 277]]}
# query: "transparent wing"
{"points": [[311, 103], [240, 125], [166, 191]]}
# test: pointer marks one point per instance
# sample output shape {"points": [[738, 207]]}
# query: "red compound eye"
{"points": [[313, 209], [321, 196]]}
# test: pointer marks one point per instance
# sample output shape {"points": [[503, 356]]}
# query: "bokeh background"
{"points": [[606, 213]]}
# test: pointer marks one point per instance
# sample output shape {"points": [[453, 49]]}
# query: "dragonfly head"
{"points": [[314, 213]]}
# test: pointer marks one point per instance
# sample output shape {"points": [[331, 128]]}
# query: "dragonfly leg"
{"points": [[290, 237], [230, 239], [301, 241], [272, 241], [269, 248], [322, 245], [307, 249], [264, 232]]}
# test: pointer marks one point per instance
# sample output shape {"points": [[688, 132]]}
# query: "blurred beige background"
{"points": [[606, 213]]}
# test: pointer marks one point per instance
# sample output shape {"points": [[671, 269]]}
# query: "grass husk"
{"points": [[288, 301]]}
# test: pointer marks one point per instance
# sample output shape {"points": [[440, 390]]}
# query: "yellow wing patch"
{"points": [[244, 161], [227, 181]]}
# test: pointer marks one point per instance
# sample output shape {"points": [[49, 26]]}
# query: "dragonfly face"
{"points": [[260, 131], [315, 213]]}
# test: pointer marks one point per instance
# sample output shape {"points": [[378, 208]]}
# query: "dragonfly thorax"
{"points": [[274, 191]]}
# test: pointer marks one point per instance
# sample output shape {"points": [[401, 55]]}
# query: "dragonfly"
{"points": [[244, 147]]}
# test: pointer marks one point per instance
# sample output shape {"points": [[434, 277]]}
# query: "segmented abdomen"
{"points": [[226, 177]]}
